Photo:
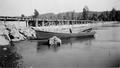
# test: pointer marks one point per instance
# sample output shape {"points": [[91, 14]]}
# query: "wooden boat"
{"points": [[47, 35], [63, 29]]}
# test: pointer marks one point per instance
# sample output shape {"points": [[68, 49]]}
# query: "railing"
{"points": [[44, 22], [7, 18]]}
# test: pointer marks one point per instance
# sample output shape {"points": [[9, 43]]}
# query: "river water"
{"points": [[101, 51]]}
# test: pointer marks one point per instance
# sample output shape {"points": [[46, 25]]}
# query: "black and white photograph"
{"points": [[59, 33]]}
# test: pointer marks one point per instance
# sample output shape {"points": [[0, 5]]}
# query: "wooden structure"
{"points": [[43, 33], [43, 22]]}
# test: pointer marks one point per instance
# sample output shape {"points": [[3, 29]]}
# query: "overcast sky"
{"points": [[26, 7]]}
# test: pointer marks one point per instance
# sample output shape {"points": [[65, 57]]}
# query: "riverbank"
{"points": [[14, 33]]}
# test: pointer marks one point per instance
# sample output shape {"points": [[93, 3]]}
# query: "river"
{"points": [[101, 51]]}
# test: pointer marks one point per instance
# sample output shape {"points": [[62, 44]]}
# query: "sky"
{"points": [[26, 7]]}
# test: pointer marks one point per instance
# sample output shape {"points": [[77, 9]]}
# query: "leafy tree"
{"points": [[107, 15], [100, 17], [79, 16], [22, 15], [118, 15], [94, 17], [104, 16], [113, 15], [85, 13], [36, 14]]}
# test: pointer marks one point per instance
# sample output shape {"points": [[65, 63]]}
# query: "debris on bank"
{"points": [[55, 41]]}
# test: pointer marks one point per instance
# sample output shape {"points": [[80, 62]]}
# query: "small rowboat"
{"points": [[62, 29], [47, 35]]}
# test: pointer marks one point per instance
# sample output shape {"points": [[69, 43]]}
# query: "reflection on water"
{"points": [[44, 47], [101, 51]]}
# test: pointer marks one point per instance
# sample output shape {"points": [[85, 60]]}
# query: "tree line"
{"points": [[113, 15]]}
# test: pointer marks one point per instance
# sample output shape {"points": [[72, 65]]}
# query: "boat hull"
{"points": [[47, 35]]}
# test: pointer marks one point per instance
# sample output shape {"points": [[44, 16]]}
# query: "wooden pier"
{"points": [[43, 22]]}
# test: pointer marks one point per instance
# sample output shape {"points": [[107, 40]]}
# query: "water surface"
{"points": [[101, 51]]}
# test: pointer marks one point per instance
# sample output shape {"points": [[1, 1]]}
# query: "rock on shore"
{"points": [[16, 34]]}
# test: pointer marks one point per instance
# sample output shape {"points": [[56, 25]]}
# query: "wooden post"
{"points": [[5, 22], [43, 23], [36, 23], [68, 22], [27, 23]]}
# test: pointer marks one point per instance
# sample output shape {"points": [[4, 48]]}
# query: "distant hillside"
{"points": [[113, 15], [47, 16], [64, 14]]}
